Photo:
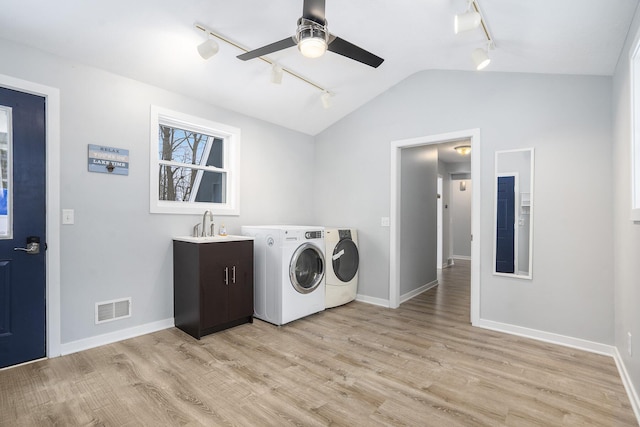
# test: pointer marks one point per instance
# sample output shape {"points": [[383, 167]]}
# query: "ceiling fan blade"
{"points": [[314, 9], [350, 50], [270, 48]]}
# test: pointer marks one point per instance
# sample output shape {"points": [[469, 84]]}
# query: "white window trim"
{"points": [[635, 129], [230, 134]]}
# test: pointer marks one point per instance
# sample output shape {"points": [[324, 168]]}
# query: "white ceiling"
{"points": [[155, 41]]}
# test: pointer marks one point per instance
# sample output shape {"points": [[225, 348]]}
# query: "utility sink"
{"points": [[212, 239]]}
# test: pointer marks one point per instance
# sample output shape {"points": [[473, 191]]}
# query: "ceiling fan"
{"points": [[313, 39]]}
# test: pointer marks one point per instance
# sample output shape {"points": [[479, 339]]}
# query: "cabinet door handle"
{"points": [[226, 275], [233, 277]]}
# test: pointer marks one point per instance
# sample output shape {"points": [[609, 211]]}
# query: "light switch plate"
{"points": [[384, 221], [68, 216]]}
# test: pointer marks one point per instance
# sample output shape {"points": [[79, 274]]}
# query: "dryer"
{"points": [[343, 261], [289, 271]]}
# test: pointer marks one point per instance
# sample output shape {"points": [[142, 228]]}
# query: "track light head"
{"points": [[326, 100], [467, 21], [480, 58], [208, 48], [276, 74]]}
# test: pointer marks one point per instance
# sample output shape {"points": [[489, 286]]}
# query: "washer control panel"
{"points": [[313, 235]]}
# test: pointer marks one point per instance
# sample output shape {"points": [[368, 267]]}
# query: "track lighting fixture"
{"points": [[276, 74], [470, 20], [208, 48], [326, 100], [481, 58]]}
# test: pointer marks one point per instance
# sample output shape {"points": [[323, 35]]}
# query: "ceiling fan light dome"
{"points": [[312, 47], [312, 38]]}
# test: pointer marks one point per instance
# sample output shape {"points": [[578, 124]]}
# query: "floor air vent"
{"points": [[107, 311]]}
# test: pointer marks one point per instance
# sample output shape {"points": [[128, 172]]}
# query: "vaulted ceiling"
{"points": [[155, 41]]}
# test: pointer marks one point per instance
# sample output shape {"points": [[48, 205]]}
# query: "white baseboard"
{"points": [[414, 293], [463, 257], [447, 264], [97, 341], [580, 344], [371, 300], [628, 384]]}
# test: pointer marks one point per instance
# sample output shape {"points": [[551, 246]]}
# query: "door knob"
{"points": [[33, 246]]}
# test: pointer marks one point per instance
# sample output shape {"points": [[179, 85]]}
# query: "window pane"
{"points": [[216, 153], [180, 145], [212, 188], [182, 184]]}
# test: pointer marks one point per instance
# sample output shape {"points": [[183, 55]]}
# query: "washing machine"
{"points": [[289, 271], [343, 260]]}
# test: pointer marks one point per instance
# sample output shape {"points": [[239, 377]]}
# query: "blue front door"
{"points": [[22, 224], [505, 225]]}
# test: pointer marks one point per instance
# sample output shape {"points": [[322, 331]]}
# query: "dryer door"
{"points": [[345, 260], [306, 269]]}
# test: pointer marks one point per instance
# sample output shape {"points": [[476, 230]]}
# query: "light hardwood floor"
{"points": [[355, 365]]}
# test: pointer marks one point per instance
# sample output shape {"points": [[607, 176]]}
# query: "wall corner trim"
{"points": [[414, 293], [373, 301]]}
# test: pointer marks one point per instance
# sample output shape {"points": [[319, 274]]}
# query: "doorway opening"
{"points": [[473, 136]]}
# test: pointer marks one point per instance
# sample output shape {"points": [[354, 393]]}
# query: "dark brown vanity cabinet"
{"points": [[212, 285]]}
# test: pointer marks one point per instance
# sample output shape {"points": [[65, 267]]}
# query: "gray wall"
{"points": [[116, 247], [461, 217], [626, 269], [563, 117], [418, 218], [446, 211]]}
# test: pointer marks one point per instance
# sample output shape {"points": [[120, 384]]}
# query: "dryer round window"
{"points": [[306, 269], [345, 260]]}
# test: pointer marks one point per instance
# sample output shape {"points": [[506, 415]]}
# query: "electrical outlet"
{"points": [[384, 221], [629, 344]]}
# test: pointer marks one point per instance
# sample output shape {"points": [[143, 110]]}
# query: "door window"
{"points": [[6, 144]]}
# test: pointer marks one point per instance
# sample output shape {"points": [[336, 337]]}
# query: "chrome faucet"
{"points": [[204, 220]]}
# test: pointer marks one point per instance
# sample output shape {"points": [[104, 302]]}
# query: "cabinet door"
{"points": [[213, 285], [241, 289]]}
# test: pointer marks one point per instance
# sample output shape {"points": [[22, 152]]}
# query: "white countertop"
{"points": [[212, 239]]}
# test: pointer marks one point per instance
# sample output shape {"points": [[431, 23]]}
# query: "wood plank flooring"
{"points": [[355, 365]]}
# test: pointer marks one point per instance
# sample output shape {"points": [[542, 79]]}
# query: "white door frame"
{"points": [[440, 222], [394, 241], [52, 112]]}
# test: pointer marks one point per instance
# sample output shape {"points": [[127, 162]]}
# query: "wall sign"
{"points": [[108, 160]]}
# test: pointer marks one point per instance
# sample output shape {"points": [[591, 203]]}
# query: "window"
{"points": [[635, 131], [194, 164], [6, 147]]}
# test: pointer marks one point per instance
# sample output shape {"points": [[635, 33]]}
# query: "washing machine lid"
{"points": [[345, 260], [306, 269]]}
